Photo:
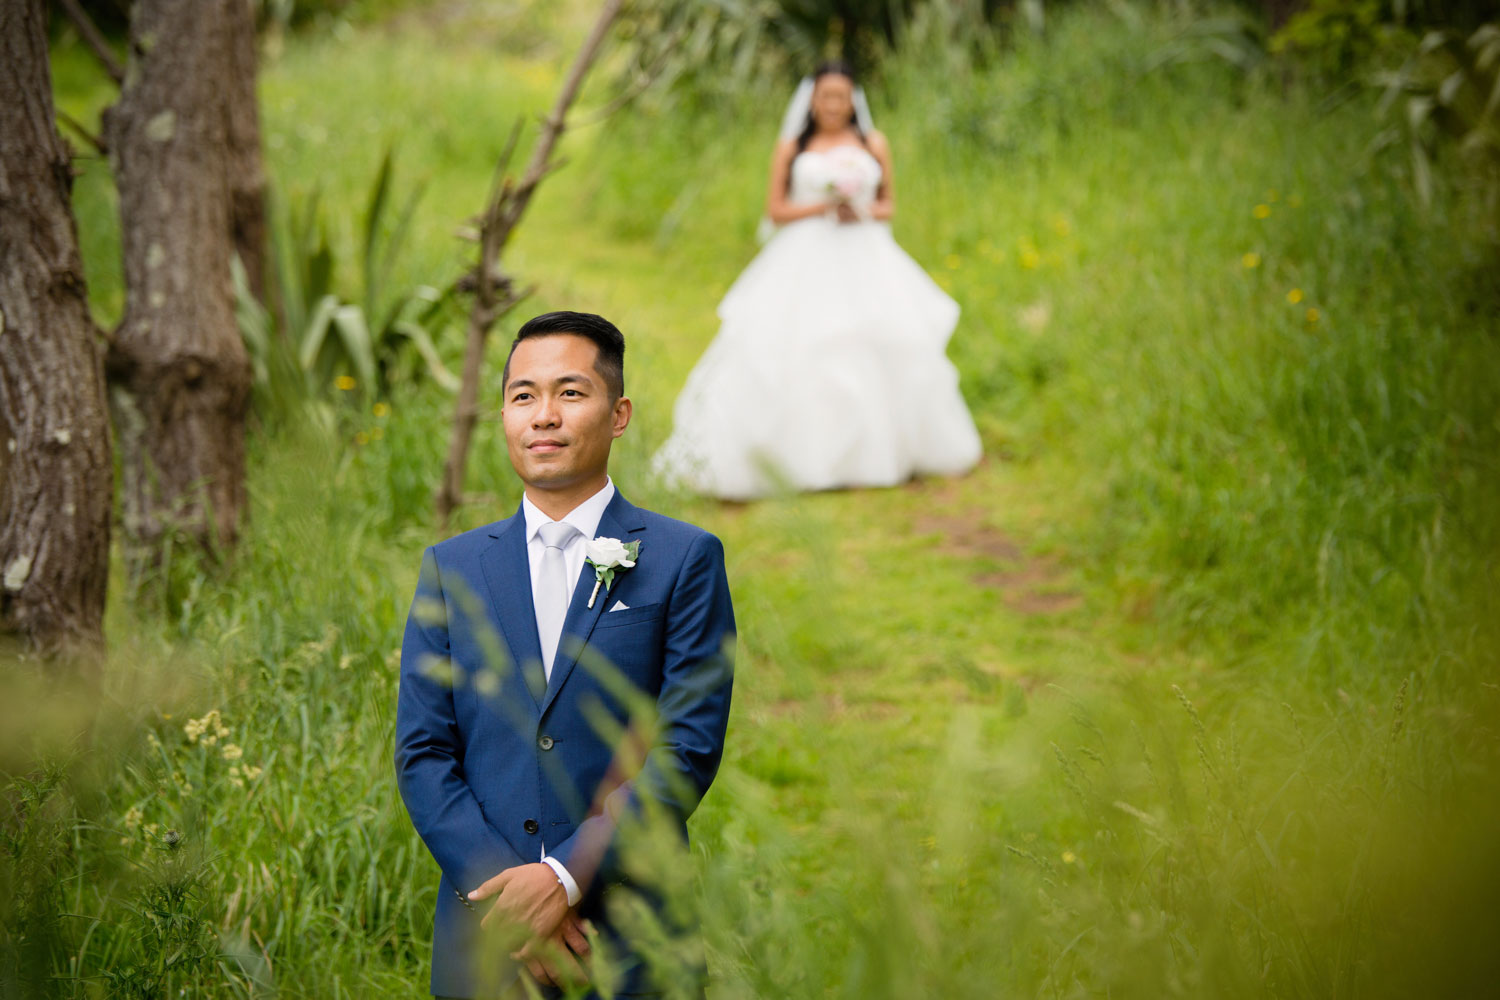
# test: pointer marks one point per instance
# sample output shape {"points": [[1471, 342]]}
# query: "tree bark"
{"points": [[247, 176], [55, 476], [180, 371]]}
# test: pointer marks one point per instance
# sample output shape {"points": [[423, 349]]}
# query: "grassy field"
{"points": [[1188, 690]]}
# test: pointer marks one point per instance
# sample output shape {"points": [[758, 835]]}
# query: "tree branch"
{"points": [[94, 39], [82, 132], [643, 81], [494, 292]]}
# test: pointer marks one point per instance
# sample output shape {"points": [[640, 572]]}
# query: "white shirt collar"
{"points": [[585, 517]]}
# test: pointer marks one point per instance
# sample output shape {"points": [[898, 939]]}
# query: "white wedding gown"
{"points": [[829, 369]]}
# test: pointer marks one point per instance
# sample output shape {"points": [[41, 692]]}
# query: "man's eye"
{"points": [[520, 397], [571, 392]]}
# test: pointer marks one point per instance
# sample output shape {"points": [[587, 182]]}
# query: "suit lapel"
{"points": [[621, 520], [507, 573]]}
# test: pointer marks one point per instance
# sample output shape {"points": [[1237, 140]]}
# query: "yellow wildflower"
{"points": [[952, 262], [251, 772], [1030, 259], [1262, 211], [1251, 259], [1294, 296], [345, 382], [361, 438], [1069, 857], [381, 410], [1313, 315], [232, 751], [207, 730], [133, 817]]}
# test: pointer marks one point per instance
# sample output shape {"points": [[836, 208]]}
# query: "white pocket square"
{"points": [[619, 606]]}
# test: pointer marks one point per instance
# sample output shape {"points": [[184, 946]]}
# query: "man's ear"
{"points": [[623, 409]]}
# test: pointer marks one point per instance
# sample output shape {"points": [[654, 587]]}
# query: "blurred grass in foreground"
{"points": [[1188, 691]]}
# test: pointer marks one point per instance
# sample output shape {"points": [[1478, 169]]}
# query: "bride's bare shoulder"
{"points": [[784, 151]]}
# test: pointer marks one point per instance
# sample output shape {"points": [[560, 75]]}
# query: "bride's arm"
{"points": [[778, 209], [884, 205]]}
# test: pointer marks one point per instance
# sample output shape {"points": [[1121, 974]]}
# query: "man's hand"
{"points": [[528, 896], [554, 961]]}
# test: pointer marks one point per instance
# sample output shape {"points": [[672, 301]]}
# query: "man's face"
{"points": [[559, 421]]}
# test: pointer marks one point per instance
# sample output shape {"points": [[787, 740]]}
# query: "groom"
{"points": [[531, 649]]}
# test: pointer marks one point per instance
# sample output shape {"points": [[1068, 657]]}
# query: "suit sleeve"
{"points": [[692, 714], [429, 747]]}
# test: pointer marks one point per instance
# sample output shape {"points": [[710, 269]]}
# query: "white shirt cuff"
{"points": [[574, 893]]}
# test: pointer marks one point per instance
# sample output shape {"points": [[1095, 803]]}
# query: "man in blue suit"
{"points": [[531, 647]]}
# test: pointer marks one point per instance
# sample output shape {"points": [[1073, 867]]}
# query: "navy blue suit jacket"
{"points": [[490, 773]]}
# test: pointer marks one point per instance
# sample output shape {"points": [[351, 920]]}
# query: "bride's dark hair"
{"points": [[833, 67]]}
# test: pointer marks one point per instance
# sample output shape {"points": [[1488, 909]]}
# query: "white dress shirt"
{"points": [[585, 517]]}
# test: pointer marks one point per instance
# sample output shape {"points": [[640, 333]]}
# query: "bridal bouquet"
{"points": [[848, 175], [848, 183], [844, 189]]}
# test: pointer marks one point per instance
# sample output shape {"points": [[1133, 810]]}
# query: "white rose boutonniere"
{"points": [[607, 555]]}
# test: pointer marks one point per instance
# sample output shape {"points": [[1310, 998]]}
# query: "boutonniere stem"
{"points": [[607, 555]]}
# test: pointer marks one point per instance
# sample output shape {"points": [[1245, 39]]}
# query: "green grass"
{"points": [[1186, 691]]}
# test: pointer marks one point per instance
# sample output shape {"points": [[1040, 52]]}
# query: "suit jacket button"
{"points": [[545, 743], [531, 826]]}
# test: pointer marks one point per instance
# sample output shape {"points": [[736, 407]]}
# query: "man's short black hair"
{"points": [[606, 336]]}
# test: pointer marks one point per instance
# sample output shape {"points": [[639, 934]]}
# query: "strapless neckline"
{"points": [[835, 149]]}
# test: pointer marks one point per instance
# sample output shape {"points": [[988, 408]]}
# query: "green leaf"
{"points": [[425, 347], [317, 330], [254, 322], [374, 209], [349, 320]]}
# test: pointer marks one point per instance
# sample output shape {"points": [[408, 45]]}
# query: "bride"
{"points": [[829, 369]]}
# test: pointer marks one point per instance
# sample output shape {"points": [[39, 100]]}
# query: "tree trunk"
{"points": [[179, 367], [247, 177], [55, 475]]}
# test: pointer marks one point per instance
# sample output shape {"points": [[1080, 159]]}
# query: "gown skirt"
{"points": [[829, 371]]}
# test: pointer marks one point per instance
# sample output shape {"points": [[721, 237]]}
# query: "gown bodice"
{"points": [[849, 171]]}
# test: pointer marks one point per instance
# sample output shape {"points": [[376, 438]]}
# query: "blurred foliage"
{"points": [[1448, 95], [280, 15], [364, 345], [719, 46], [1340, 38], [1232, 38], [1335, 36]]}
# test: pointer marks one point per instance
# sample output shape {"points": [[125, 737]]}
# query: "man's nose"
{"points": [[547, 414]]}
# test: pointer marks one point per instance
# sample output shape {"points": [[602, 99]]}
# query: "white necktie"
{"points": [[554, 589]]}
